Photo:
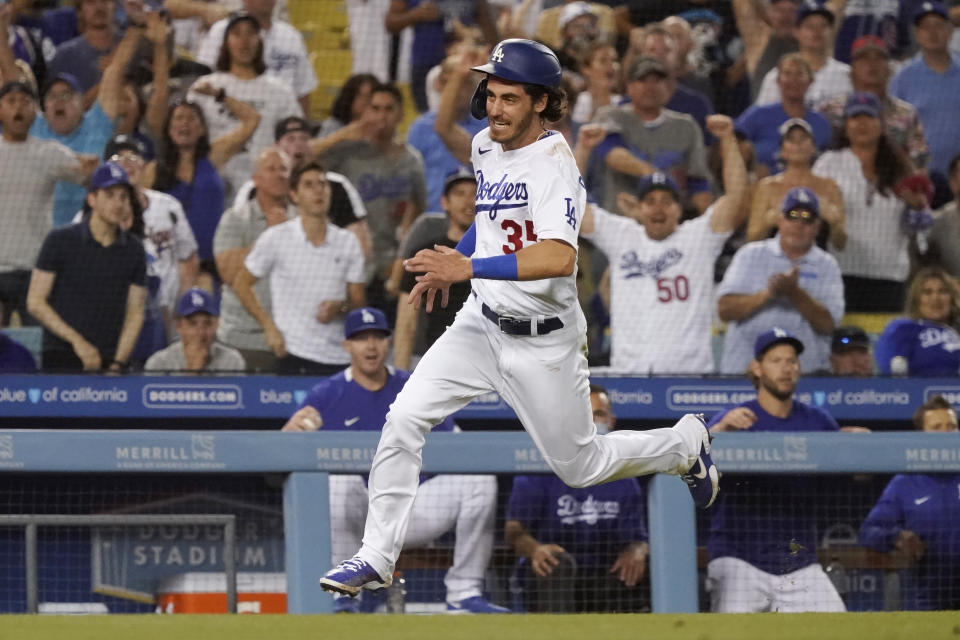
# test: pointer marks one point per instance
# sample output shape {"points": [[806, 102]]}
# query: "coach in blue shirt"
{"points": [[931, 83], [763, 537], [919, 514], [358, 399]]}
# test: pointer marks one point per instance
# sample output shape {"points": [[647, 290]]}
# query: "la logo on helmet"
{"points": [[497, 55], [367, 317], [196, 299]]}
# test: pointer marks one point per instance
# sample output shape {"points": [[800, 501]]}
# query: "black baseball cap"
{"points": [[460, 174], [123, 142], [292, 124], [17, 86], [849, 337]]}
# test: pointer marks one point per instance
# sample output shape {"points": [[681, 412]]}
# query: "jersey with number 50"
{"points": [[526, 196]]}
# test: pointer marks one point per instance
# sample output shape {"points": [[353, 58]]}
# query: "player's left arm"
{"points": [[631, 563], [730, 210]]}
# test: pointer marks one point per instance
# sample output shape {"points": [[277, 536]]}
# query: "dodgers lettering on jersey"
{"points": [[930, 348], [593, 524], [525, 196], [657, 284]]}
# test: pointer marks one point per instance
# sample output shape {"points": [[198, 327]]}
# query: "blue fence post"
{"points": [[673, 546], [306, 529]]}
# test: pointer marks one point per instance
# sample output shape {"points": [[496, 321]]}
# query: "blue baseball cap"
{"points": [[801, 198], [657, 180], [197, 300], [67, 78], [774, 337], [862, 102], [363, 319], [107, 175], [933, 6], [814, 7]]}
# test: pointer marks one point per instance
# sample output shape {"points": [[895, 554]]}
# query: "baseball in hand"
{"points": [[309, 423]]}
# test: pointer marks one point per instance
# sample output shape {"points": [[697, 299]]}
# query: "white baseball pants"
{"points": [[736, 586], [467, 502], [545, 380]]}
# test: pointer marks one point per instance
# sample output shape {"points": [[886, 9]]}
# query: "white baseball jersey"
{"points": [[661, 293], [523, 196]]}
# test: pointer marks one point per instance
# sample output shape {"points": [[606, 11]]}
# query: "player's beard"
{"points": [[519, 131], [776, 391]]}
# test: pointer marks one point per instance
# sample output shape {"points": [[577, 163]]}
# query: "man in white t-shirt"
{"points": [[814, 34], [661, 271], [284, 50], [244, 77], [316, 277]]}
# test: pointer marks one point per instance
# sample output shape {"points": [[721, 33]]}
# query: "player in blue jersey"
{"points": [[919, 514], [762, 542], [358, 399], [579, 550], [926, 342]]}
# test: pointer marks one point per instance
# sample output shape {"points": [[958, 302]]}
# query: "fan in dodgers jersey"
{"points": [[521, 333]]}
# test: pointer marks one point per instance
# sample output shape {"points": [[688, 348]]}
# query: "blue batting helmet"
{"points": [[517, 60]]}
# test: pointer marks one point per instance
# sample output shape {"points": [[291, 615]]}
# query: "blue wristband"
{"points": [[496, 267], [468, 243]]}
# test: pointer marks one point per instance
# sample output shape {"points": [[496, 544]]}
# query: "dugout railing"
{"points": [[307, 459]]}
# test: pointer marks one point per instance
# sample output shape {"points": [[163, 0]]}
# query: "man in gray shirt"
{"points": [[390, 178], [29, 170], [643, 137], [786, 281], [238, 229], [197, 350]]}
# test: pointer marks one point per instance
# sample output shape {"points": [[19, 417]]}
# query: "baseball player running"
{"points": [[521, 333]]}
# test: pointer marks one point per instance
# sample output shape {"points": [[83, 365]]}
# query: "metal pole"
{"points": [[30, 543], [230, 563]]}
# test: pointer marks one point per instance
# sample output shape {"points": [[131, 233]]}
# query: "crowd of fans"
{"points": [[168, 204], [813, 141]]}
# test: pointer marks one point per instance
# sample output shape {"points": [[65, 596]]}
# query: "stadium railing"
{"points": [[308, 459]]}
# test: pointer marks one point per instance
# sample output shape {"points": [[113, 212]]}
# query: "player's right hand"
{"points": [[305, 419], [275, 340], [89, 355], [910, 543], [737, 419], [545, 557]]}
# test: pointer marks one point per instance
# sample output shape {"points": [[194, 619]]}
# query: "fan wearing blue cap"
{"points": [[89, 286], [814, 32], [661, 272], [197, 350], [786, 281], [762, 538], [68, 118]]}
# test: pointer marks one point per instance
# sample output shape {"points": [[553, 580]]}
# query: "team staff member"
{"points": [[357, 399], [763, 534], [89, 287], [919, 514], [579, 550], [522, 334]]}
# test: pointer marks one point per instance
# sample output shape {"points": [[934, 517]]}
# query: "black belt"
{"points": [[520, 326]]}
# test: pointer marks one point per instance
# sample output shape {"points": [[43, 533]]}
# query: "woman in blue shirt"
{"points": [[188, 164], [926, 342]]}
